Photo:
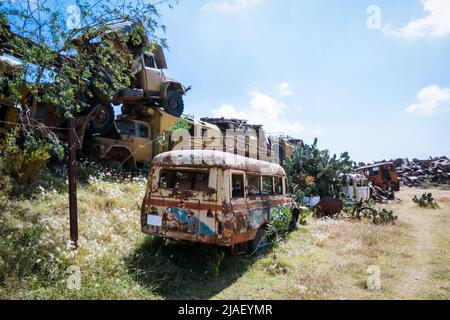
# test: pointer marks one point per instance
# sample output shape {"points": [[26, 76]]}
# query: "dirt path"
{"points": [[425, 228], [328, 259]]}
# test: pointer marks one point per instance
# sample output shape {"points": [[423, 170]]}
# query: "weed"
{"points": [[274, 265]]}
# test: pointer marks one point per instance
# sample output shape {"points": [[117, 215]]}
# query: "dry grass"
{"points": [[109, 233], [328, 259], [323, 260]]}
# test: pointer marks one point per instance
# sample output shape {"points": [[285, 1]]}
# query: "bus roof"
{"points": [[381, 164], [215, 159]]}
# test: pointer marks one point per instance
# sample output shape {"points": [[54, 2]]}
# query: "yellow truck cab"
{"points": [[213, 197]]}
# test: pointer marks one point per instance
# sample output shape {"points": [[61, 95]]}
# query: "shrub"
{"points": [[280, 221], [6, 185], [383, 216], [24, 162], [426, 201], [316, 172], [303, 214]]}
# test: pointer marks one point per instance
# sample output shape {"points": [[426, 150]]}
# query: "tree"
{"points": [[72, 54], [70, 57], [314, 172]]}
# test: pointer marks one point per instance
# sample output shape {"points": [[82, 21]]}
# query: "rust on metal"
{"points": [[213, 214], [222, 160], [329, 207], [382, 175]]}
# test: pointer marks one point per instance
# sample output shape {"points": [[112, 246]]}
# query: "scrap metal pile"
{"points": [[416, 172], [381, 195]]}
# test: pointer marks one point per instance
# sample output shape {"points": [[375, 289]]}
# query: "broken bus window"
{"points": [[267, 185], [237, 184], [254, 185], [184, 180], [278, 185]]}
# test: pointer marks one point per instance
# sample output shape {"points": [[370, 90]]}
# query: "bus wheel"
{"points": [[258, 245]]}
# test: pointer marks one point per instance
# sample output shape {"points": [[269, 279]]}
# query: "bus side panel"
{"points": [[259, 211], [235, 217], [185, 215]]}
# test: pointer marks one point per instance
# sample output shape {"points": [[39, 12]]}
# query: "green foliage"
{"points": [[24, 162], [56, 148], [68, 66], [304, 213], [215, 263], [280, 220], [65, 68], [181, 125], [6, 185], [383, 216], [426, 201], [299, 196], [314, 172]]}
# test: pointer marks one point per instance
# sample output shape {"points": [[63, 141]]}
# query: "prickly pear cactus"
{"points": [[315, 172]]}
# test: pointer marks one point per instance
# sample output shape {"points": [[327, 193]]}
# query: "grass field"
{"points": [[323, 260]]}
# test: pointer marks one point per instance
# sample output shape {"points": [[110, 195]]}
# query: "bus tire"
{"points": [[259, 244]]}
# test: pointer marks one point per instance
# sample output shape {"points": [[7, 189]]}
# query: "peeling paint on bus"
{"points": [[208, 212]]}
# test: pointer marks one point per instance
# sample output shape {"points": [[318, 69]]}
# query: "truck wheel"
{"points": [[259, 244], [174, 104], [115, 166], [102, 118]]}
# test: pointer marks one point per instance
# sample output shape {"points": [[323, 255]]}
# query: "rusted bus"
{"points": [[382, 175], [212, 197]]}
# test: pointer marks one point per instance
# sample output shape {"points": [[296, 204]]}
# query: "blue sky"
{"points": [[366, 76], [314, 68]]}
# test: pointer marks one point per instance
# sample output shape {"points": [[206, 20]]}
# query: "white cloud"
{"points": [[265, 110], [435, 24], [284, 89], [317, 132], [431, 100], [231, 6]]}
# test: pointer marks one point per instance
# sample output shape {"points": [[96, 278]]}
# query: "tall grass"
{"points": [[114, 260]]}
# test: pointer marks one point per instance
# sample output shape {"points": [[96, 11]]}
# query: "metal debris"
{"points": [[416, 172], [381, 195]]}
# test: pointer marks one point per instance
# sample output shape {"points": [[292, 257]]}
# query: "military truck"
{"points": [[252, 141], [150, 86], [8, 114], [153, 85], [136, 139], [46, 113]]}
